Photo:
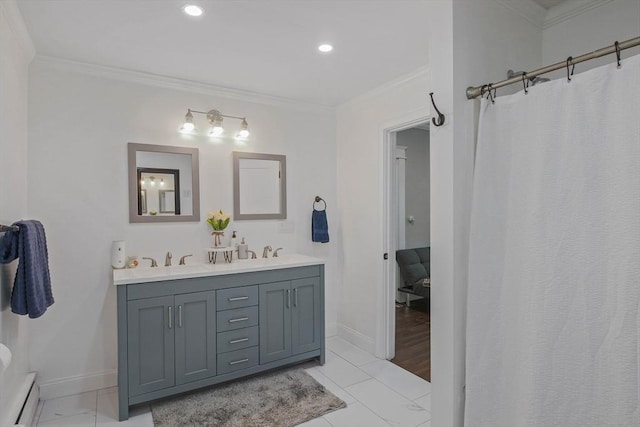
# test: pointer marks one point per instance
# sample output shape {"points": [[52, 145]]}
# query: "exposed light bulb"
{"points": [[188, 125], [142, 182], [161, 182], [192, 10], [216, 131], [325, 48], [244, 129]]}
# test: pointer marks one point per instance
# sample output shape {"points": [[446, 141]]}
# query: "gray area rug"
{"points": [[280, 399]]}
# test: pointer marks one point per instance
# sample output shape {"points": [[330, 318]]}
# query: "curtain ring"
{"points": [[524, 83], [489, 94], [617, 45], [570, 62]]}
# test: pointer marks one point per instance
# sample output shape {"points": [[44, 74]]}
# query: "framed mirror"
{"points": [[259, 186], [163, 183]]}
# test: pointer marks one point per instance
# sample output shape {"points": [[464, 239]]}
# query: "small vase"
{"points": [[217, 238]]}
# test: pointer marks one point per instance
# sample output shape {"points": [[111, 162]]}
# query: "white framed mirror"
{"points": [[163, 183], [259, 186]]}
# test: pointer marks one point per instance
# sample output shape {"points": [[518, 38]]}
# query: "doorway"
{"points": [[408, 230]]}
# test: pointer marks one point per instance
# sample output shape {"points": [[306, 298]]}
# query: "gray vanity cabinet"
{"points": [[183, 334], [151, 355], [289, 318], [275, 321], [195, 339], [171, 341]]}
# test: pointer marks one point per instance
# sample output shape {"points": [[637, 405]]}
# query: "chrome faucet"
{"points": [[182, 259], [253, 255], [275, 253], [266, 250], [153, 261], [167, 259]]}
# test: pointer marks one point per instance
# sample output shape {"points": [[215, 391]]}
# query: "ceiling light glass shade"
{"points": [[244, 129], [192, 10], [188, 124], [216, 131], [215, 118], [325, 48]]}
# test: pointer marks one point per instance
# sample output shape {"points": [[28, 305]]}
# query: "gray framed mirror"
{"points": [[163, 183], [259, 186]]}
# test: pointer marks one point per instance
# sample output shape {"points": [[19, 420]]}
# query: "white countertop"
{"points": [[154, 274]]}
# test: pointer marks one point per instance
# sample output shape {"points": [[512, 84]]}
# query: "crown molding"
{"points": [[385, 87], [527, 9], [570, 9], [165, 82], [12, 16]]}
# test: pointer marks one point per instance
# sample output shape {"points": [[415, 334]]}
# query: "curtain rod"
{"points": [[476, 91]]}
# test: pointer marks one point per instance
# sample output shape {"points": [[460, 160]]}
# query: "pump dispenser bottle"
{"points": [[243, 250]]}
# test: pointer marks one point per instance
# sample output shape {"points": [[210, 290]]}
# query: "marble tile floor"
{"points": [[377, 393]]}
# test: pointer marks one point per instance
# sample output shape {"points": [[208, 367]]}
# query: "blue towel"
{"points": [[319, 227], [32, 287]]}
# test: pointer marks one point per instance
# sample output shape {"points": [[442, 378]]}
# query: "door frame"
{"points": [[385, 339]]}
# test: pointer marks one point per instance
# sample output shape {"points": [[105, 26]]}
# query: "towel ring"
{"points": [[319, 199]]}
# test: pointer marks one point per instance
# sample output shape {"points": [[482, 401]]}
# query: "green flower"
{"points": [[218, 220]]}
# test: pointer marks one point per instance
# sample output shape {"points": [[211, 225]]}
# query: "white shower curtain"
{"points": [[554, 266]]}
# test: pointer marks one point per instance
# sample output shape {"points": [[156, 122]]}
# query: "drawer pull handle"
{"points": [[235, 362], [239, 319], [238, 340], [238, 298], [170, 317]]}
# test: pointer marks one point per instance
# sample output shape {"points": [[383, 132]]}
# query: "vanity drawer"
{"points": [[237, 360], [238, 339], [238, 318], [243, 296]]}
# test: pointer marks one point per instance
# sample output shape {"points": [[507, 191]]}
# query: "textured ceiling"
{"points": [[265, 46], [549, 3]]}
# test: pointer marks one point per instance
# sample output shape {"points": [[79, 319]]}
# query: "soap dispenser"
{"points": [[243, 250]]}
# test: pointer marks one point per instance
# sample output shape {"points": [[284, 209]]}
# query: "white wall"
{"points": [[417, 172], [79, 127], [360, 125], [585, 32], [470, 43], [16, 52]]}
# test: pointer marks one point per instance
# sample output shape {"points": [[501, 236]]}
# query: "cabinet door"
{"points": [[305, 315], [150, 340], [195, 336], [275, 321]]}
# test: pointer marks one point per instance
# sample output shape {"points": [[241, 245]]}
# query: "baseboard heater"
{"points": [[28, 394]]}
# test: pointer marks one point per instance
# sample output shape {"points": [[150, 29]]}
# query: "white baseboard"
{"points": [[30, 406], [331, 329], [22, 400], [356, 338], [78, 384]]}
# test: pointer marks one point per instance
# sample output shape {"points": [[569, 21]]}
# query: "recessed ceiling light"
{"points": [[192, 10], [325, 48]]}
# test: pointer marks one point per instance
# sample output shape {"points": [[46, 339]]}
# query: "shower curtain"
{"points": [[554, 265]]}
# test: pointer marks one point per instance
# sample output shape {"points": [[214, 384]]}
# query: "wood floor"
{"points": [[413, 338]]}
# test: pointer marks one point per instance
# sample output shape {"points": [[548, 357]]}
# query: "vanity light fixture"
{"points": [[215, 119]]}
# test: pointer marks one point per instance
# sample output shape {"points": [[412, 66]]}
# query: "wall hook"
{"points": [[440, 120]]}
